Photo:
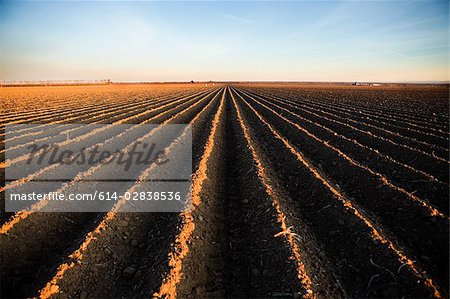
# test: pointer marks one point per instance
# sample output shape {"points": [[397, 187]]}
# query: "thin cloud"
{"points": [[405, 25], [237, 18]]}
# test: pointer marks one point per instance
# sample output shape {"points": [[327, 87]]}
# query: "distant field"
{"points": [[299, 190]]}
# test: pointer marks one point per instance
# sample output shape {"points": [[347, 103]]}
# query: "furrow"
{"points": [[285, 231], [117, 118], [362, 121], [375, 233], [413, 157], [57, 221], [107, 232], [383, 179], [19, 216]]}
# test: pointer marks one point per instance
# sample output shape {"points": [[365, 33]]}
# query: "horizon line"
{"points": [[109, 81]]}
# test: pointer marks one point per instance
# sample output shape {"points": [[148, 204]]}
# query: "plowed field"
{"points": [[324, 191]]}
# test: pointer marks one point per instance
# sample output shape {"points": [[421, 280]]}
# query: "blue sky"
{"points": [[218, 40]]}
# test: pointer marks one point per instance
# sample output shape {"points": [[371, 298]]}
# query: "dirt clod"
{"points": [[255, 272], [84, 295], [128, 272]]}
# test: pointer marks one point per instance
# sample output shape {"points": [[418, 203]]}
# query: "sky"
{"points": [[387, 41]]}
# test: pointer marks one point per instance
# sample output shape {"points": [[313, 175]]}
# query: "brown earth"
{"points": [[299, 190]]}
